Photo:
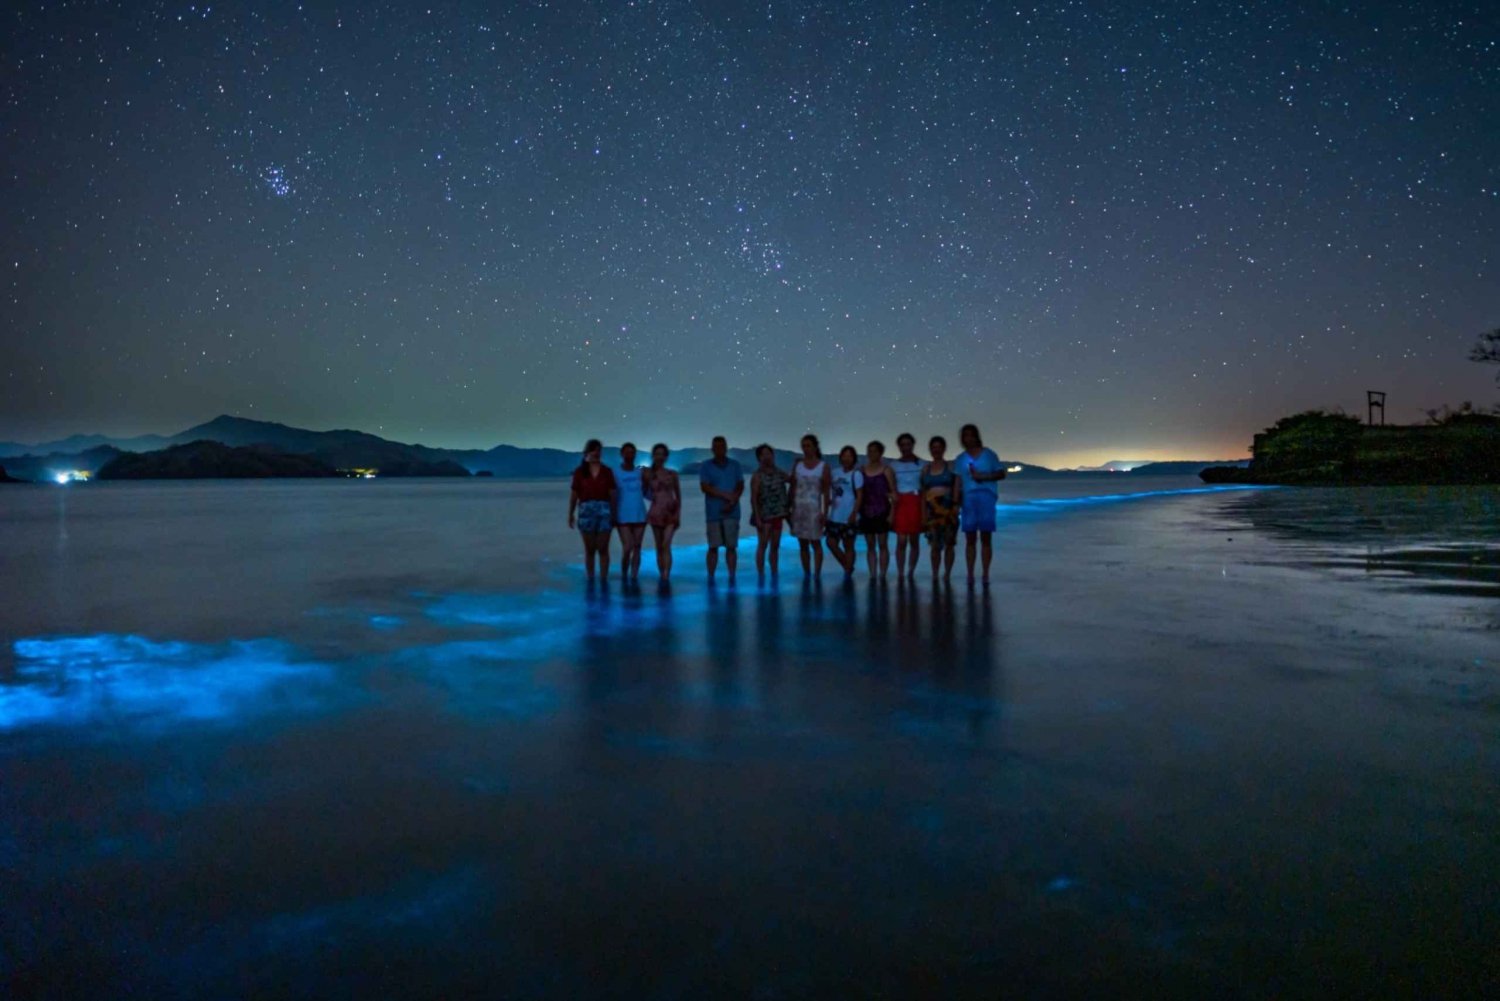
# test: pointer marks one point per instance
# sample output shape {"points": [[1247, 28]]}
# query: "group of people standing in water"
{"points": [[823, 503]]}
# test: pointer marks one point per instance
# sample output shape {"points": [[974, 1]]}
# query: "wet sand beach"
{"points": [[344, 739]]}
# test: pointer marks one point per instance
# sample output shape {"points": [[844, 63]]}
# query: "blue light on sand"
{"points": [[547, 623], [1041, 505], [114, 678]]}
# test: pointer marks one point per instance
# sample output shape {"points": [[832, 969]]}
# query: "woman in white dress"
{"points": [[810, 478]]}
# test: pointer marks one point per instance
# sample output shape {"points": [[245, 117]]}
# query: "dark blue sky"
{"points": [[1123, 230]]}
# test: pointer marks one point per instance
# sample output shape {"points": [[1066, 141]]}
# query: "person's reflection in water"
{"points": [[908, 638], [598, 646], [976, 667], [877, 629], [628, 669], [663, 637], [768, 652], [942, 643], [845, 617], [809, 619], [948, 669], [723, 642]]}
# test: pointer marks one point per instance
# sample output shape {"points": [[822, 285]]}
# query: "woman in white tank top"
{"points": [[810, 504]]}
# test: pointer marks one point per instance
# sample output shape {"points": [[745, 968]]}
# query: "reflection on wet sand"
{"points": [[1441, 540], [702, 679]]}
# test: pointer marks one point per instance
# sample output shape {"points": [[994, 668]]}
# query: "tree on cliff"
{"points": [[1488, 350]]}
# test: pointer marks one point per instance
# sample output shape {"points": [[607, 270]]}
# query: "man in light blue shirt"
{"points": [[722, 482], [981, 470]]}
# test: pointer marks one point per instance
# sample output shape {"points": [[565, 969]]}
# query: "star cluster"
{"points": [[1094, 228]]}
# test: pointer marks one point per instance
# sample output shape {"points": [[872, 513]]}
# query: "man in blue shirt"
{"points": [[722, 482], [981, 470]]}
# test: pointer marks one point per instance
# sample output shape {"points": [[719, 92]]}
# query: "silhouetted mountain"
{"points": [[7, 478], [343, 448], [42, 467], [522, 463], [346, 448], [82, 443], [212, 460]]}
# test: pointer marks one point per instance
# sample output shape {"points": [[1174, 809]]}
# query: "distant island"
{"points": [[7, 478], [214, 460], [281, 450], [1318, 448], [211, 460]]}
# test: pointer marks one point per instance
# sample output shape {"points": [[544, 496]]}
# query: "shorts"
{"points": [[594, 517], [908, 520], [877, 525], [839, 530], [723, 532], [979, 511]]}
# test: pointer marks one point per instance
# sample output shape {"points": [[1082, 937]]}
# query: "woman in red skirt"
{"points": [[907, 520]]}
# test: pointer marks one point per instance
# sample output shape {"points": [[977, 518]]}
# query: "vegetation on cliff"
{"points": [[1318, 447]]}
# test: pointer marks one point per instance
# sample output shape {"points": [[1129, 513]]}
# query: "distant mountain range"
{"points": [[1112, 466], [350, 449]]}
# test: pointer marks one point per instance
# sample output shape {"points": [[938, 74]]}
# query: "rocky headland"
{"points": [[1317, 448]]}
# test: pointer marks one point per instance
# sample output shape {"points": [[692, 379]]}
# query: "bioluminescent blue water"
{"points": [[130, 680], [296, 740]]}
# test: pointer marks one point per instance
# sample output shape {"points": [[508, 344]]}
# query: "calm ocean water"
{"points": [[313, 739]]}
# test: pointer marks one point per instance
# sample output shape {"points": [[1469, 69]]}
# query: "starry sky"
{"points": [[1101, 230]]}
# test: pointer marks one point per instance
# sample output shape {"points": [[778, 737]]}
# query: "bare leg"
{"points": [[635, 538], [588, 553], [731, 560], [803, 548], [601, 542], [937, 560], [969, 554], [885, 554], [713, 562], [988, 550], [914, 556], [775, 547], [817, 551], [664, 552], [762, 540], [870, 555], [659, 532], [952, 551]]}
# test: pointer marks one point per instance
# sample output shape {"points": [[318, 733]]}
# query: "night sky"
{"points": [[1123, 230]]}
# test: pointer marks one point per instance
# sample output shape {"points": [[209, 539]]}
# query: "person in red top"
{"points": [[591, 507]]}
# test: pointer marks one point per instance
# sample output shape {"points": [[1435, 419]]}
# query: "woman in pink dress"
{"points": [[665, 513]]}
